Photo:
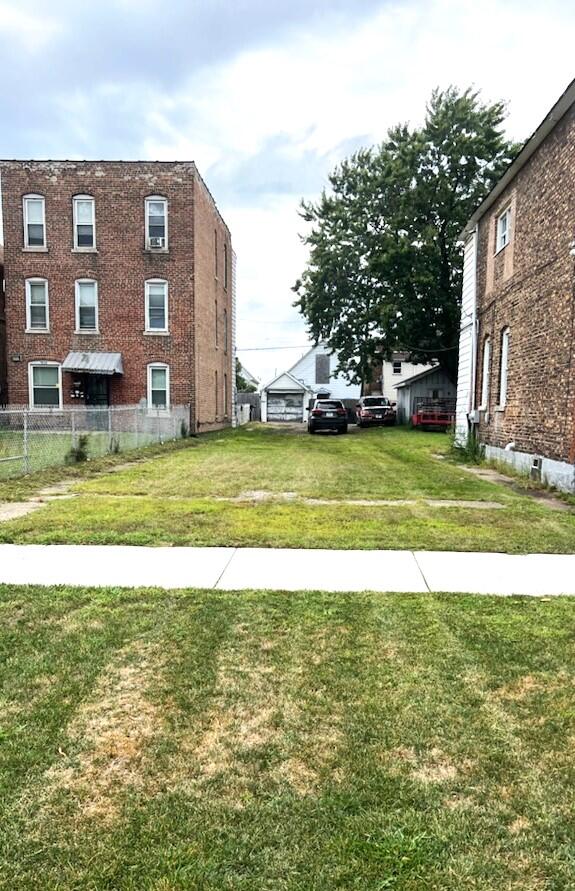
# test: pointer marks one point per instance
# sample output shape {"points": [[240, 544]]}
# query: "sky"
{"points": [[266, 96]]}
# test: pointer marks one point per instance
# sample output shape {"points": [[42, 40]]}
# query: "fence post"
{"points": [[73, 427], [109, 429], [25, 443], [159, 426], [136, 430]]}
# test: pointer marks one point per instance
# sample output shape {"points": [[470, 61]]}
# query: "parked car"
{"points": [[327, 414], [376, 410]]}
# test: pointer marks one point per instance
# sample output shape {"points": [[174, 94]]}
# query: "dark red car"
{"points": [[374, 410]]}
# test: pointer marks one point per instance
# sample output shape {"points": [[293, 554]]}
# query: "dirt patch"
{"points": [[109, 733], [521, 824], [16, 509], [260, 495], [542, 496], [428, 768]]}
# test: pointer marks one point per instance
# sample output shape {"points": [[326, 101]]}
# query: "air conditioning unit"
{"points": [[157, 243]]}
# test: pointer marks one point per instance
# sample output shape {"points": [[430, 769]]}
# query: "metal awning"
{"points": [[94, 363]]}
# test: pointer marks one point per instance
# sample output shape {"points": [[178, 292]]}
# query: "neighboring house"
{"points": [[431, 384], [3, 384], [387, 375], [286, 398], [516, 386], [119, 287], [248, 376]]}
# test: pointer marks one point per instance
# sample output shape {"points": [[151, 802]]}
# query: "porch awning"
{"points": [[94, 363]]}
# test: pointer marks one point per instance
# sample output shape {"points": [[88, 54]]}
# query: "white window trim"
{"points": [[503, 368], [148, 329], [394, 363], [40, 363], [33, 281], [77, 247], [507, 215], [485, 374], [166, 368], [147, 203], [86, 281], [34, 197]]}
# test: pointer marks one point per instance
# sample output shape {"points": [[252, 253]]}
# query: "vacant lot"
{"points": [[266, 486], [296, 743]]}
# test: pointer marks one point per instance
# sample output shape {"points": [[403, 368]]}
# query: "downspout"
{"points": [[474, 326]]}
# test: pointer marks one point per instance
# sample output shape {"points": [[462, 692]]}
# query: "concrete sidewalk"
{"points": [[236, 569]]}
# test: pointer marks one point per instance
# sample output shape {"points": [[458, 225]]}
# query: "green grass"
{"points": [[205, 741], [172, 498]]}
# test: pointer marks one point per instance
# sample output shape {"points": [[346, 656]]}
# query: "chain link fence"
{"points": [[31, 439]]}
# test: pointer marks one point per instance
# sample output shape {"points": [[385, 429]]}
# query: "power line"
{"points": [[304, 346]]}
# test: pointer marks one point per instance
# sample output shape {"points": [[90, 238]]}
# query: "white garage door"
{"points": [[285, 407]]}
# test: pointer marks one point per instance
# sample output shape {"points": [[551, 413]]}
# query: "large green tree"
{"points": [[385, 262]]}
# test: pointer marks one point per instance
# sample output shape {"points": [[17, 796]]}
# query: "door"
{"points": [[285, 407], [96, 389]]}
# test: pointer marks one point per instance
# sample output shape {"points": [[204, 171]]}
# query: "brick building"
{"points": [[516, 385], [119, 287], [3, 383]]}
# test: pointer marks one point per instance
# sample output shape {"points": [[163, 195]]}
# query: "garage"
{"points": [[284, 400]]}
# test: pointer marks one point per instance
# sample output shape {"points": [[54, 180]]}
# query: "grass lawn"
{"points": [[183, 497], [202, 740]]}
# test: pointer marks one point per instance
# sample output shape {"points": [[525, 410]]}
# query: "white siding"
{"points": [[467, 352], [425, 386], [391, 380], [338, 386]]}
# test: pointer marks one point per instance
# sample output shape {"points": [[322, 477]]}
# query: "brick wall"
{"points": [[528, 287], [3, 380], [121, 265]]}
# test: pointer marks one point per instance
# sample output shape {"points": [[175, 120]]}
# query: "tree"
{"points": [[242, 385], [385, 261]]}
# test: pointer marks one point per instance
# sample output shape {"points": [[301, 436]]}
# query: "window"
{"points": [[37, 317], [225, 395], [86, 305], [156, 223], [503, 229], [158, 386], [225, 331], [216, 253], [503, 366], [396, 366], [322, 369], [485, 374], [216, 395], [45, 385], [157, 305], [216, 323], [34, 222], [84, 223], [225, 265]]}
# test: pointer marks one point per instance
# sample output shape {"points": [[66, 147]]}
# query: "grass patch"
{"points": [[172, 498], [203, 740]]}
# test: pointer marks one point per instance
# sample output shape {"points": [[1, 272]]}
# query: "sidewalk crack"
{"points": [[225, 569], [422, 574]]}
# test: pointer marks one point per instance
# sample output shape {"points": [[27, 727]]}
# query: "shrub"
{"points": [[79, 452], [469, 452]]}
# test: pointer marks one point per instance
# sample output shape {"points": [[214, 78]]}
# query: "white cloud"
{"points": [[32, 31]]}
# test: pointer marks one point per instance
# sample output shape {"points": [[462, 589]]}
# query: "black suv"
{"points": [[327, 414]]}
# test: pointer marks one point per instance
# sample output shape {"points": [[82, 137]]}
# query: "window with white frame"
{"points": [[156, 223], [84, 223], [86, 305], [37, 312], [503, 368], [503, 229], [157, 305], [45, 385], [158, 386], [225, 331], [225, 265], [485, 373], [225, 395], [34, 222], [396, 366]]}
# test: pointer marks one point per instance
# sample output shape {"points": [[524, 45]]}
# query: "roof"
{"points": [[417, 377], [551, 120], [94, 363], [298, 385]]}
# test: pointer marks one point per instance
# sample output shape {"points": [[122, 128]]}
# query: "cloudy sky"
{"points": [[266, 96]]}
